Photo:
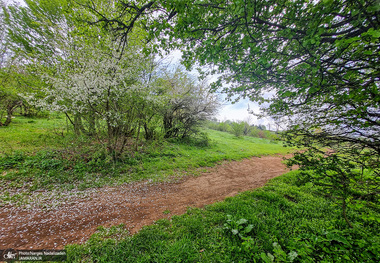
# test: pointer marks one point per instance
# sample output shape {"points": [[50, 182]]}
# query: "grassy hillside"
{"points": [[40, 154], [285, 221]]}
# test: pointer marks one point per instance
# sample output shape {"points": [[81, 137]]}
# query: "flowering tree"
{"points": [[96, 89], [188, 103], [77, 67]]}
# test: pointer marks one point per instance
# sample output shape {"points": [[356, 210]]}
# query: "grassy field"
{"points": [[285, 221], [40, 154], [32, 134]]}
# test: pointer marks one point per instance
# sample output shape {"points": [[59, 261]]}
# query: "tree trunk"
{"points": [[10, 109], [91, 125], [138, 136], [77, 124]]}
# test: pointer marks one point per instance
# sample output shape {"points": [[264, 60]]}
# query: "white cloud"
{"points": [[234, 112], [239, 112]]}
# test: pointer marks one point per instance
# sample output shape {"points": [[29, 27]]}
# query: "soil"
{"points": [[135, 205]]}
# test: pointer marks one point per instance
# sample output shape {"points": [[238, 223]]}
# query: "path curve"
{"points": [[134, 205]]}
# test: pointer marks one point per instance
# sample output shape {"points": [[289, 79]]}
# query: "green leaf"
{"points": [[267, 258], [336, 237], [242, 221], [248, 229], [374, 33], [287, 94]]}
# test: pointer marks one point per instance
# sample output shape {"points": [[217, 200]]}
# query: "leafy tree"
{"points": [[188, 103], [100, 92], [224, 126], [9, 71], [3, 41], [318, 59], [40, 31], [80, 71], [9, 98], [238, 128], [35, 43]]}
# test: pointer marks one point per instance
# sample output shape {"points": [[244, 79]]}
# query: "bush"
{"points": [[224, 127], [238, 128]]}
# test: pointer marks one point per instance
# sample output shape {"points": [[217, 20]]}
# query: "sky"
{"points": [[237, 111]]}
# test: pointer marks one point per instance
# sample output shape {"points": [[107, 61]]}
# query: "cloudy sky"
{"points": [[237, 111]]}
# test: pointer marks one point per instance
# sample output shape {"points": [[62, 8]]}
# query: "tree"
{"points": [[238, 128], [100, 91], [321, 60], [187, 103], [9, 71], [80, 70], [318, 59], [34, 37], [3, 49]]}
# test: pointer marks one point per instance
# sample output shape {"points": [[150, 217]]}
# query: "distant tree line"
{"points": [[242, 128]]}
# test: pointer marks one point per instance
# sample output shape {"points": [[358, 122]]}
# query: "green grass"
{"points": [[285, 221], [37, 156], [224, 146], [32, 134]]}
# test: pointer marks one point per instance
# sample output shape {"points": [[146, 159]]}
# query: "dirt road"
{"points": [[135, 205]]}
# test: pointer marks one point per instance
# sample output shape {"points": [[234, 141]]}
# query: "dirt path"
{"points": [[134, 205]]}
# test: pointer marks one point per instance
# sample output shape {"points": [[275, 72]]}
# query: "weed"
{"points": [[239, 228]]}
